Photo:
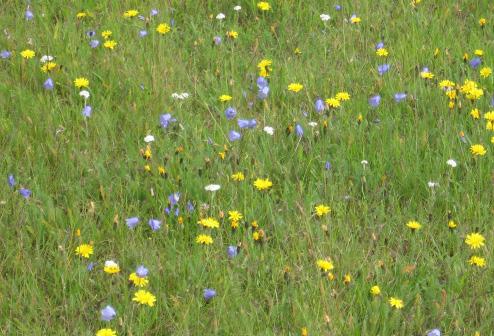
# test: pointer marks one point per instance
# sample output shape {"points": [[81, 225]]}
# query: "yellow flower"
{"points": [[106, 332], [475, 113], [225, 98], [263, 184], [446, 84], [238, 177], [355, 19], [256, 236], [465, 57], [477, 261], [234, 215], [375, 290], [130, 13], [382, 52], [295, 87], [347, 279], [482, 22], [426, 75], [263, 5], [110, 44], [436, 52], [264, 67], [322, 210], [111, 267], [396, 303], [137, 280], [81, 82], [81, 15], [222, 155], [204, 239], [209, 223], [451, 94], [333, 102], [161, 170], [475, 240], [492, 139], [325, 265], [232, 34], [489, 116], [106, 34], [48, 66], [451, 104], [147, 168], [479, 52], [163, 28], [28, 54], [144, 297], [485, 72], [452, 224], [489, 126], [297, 51], [304, 332], [478, 150], [84, 250], [342, 96], [414, 225]]}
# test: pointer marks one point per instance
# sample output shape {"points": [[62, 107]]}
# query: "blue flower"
{"points": [[142, 271], [299, 130], [337, 7], [4, 54], [230, 113], [400, 96], [132, 222], [172, 22], [475, 62], [90, 266], [319, 105], [190, 206], [166, 119], [90, 33], [379, 45], [217, 40], [48, 84], [232, 251], [382, 69], [263, 93], [143, 33], [234, 136], [87, 110], [434, 332], [174, 198], [94, 43], [11, 181], [153, 12], [25, 192], [154, 224], [141, 17], [375, 100], [261, 82], [29, 15], [108, 313], [327, 165], [209, 294], [246, 123]]}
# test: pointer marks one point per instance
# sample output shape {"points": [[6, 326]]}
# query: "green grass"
{"points": [[88, 174]]}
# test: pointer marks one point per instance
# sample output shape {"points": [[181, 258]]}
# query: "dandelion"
{"points": [[482, 22], [375, 290], [477, 261], [111, 267], [208, 294], [163, 28], [209, 223], [137, 280], [475, 113], [342, 96], [204, 239], [81, 82], [382, 52], [234, 215], [452, 224], [426, 74], [295, 87], [396, 303], [48, 66], [106, 34], [81, 15], [478, 150], [108, 313], [475, 240], [106, 332], [224, 98], [264, 67], [347, 278], [485, 72], [110, 44], [355, 19], [84, 250], [28, 53], [333, 102], [238, 177], [414, 225], [322, 210], [325, 265], [232, 34], [130, 13], [263, 184], [144, 297], [264, 5]]}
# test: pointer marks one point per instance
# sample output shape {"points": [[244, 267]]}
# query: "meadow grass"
{"points": [[88, 175]]}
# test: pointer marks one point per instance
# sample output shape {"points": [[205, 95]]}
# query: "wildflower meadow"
{"points": [[197, 167]]}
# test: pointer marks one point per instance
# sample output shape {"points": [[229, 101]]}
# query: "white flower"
{"points": [[451, 163], [46, 58], [84, 93], [269, 130], [110, 263], [180, 96], [432, 184], [212, 187], [237, 8], [220, 16], [149, 138], [325, 17], [364, 162], [312, 124]]}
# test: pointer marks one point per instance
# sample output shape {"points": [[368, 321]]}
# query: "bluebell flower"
{"points": [[174, 198], [261, 82], [475, 62], [425, 69], [299, 130], [4, 54], [90, 33], [327, 165], [375, 100], [153, 12], [263, 93], [132, 222], [108, 313], [230, 113], [400, 96], [217, 40], [87, 110], [337, 7], [142, 271], [172, 22], [154, 224], [166, 119], [177, 212], [319, 105], [167, 210], [11, 181], [434, 332], [143, 33], [190, 206], [90, 266], [141, 17], [208, 294], [29, 15], [94, 43], [48, 84], [234, 136], [379, 45], [382, 69], [25, 192], [232, 251], [247, 123]]}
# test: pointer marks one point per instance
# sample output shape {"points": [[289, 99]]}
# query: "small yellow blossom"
{"points": [[322, 210], [163, 28], [264, 67], [81, 15], [28, 54], [234, 215], [479, 52], [130, 13], [452, 224], [396, 303], [325, 265], [204, 239], [342, 96], [84, 250], [478, 150], [347, 279], [475, 113], [48, 66], [382, 52], [232, 34], [111, 267], [209, 223], [414, 225], [137, 280], [225, 98], [333, 102], [485, 72], [355, 19], [295, 87], [106, 34], [477, 261], [144, 297], [263, 184], [81, 82], [110, 44], [475, 240], [375, 290], [482, 22], [106, 332], [264, 5], [238, 177]]}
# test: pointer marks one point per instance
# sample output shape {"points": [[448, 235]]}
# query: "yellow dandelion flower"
{"points": [[224, 98], [28, 53], [489, 116], [137, 280], [48, 66], [81, 15], [426, 75], [163, 28], [355, 19], [342, 96], [347, 279], [232, 34], [209, 223], [234, 215], [382, 52], [452, 224], [106, 34], [111, 267], [445, 84], [322, 210], [264, 67], [485, 72], [144, 297], [110, 44], [478, 150], [264, 5], [81, 82], [84, 250], [396, 303], [106, 332], [238, 177], [475, 240], [333, 102], [482, 22], [475, 113], [130, 13], [295, 87], [477, 261], [375, 290], [325, 265], [479, 52], [414, 225], [263, 184], [204, 239]]}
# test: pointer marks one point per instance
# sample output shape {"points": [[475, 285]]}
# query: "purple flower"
{"points": [[492, 101], [382, 69], [166, 119], [90, 33], [475, 62], [25, 193], [379, 45], [132, 222], [177, 212], [172, 22], [143, 33], [11, 181], [174, 198], [337, 7], [230, 113], [425, 69], [232, 251], [153, 12], [434, 332], [209, 294], [48, 84], [263, 93], [327, 165], [319, 105], [154, 224], [246, 123], [90, 266], [29, 15], [217, 40], [141, 17], [234, 136], [190, 206], [94, 43], [261, 82], [374, 101], [108, 313], [4, 54], [299, 130], [87, 110], [400, 96], [142, 271]]}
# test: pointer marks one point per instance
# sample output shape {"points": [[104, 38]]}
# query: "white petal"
{"points": [[212, 187], [149, 138]]}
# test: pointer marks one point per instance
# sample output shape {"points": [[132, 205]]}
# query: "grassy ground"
{"points": [[87, 175]]}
